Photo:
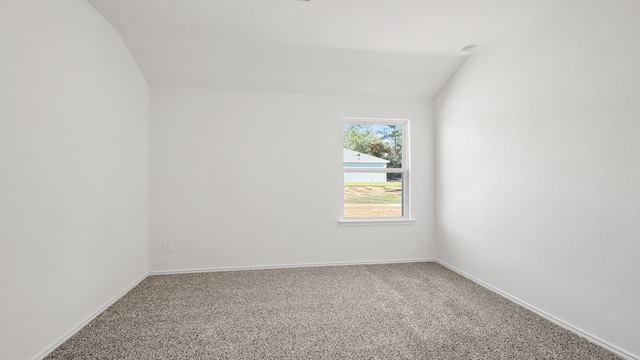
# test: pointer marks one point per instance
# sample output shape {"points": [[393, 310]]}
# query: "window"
{"points": [[375, 166]]}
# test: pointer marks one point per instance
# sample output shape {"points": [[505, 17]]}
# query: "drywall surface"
{"points": [[73, 171], [247, 179], [537, 167]]}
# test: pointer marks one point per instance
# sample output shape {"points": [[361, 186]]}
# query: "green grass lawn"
{"points": [[376, 199], [373, 193]]}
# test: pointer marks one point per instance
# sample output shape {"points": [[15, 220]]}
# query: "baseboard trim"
{"points": [[91, 317], [287, 266], [553, 319]]}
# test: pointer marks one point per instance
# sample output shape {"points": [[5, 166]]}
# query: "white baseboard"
{"points": [[90, 318], [287, 266], [567, 326]]}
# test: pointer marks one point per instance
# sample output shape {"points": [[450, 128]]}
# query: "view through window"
{"points": [[375, 172]]}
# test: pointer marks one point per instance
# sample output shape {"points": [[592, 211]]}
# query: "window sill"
{"points": [[375, 222]]}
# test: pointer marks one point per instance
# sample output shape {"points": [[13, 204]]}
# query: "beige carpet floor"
{"points": [[396, 311]]}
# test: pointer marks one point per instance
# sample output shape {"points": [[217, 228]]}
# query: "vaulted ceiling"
{"points": [[352, 47]]}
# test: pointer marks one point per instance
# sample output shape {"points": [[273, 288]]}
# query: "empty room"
{"points": [[323, 179]]}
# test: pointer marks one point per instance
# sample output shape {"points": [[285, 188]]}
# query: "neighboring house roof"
{"points": [[354, 156]]}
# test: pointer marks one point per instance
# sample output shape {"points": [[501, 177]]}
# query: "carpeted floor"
{"points": [[397, 311]]}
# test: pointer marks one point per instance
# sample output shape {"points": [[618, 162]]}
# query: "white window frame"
{"points": [[405, 171]]}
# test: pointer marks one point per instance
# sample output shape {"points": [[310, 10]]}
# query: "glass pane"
{"points": [[373, 199], [372, 145]]}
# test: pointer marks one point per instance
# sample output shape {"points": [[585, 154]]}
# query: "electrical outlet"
{"points": [[419, 237], [167, 245]]}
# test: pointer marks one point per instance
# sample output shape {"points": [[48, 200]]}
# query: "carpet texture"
{"points": [[397, 311]]}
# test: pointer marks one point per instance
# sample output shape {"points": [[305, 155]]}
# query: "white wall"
{"points": [[255, 179], [73, 171], [537, 167]]}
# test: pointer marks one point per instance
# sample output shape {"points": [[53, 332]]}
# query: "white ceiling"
{"points": [[354, 47]]}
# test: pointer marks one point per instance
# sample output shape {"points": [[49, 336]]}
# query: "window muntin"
{"points": [[375, 169]]}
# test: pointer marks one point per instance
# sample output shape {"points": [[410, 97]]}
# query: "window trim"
{"points": [[406, 218]]}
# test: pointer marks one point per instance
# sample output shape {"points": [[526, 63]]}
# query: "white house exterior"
{"points": [[354, 159]]}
